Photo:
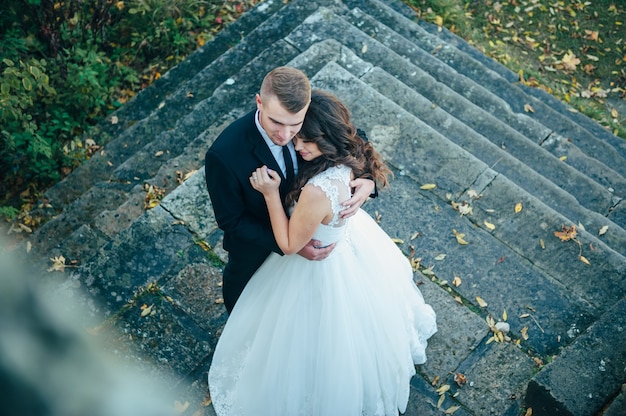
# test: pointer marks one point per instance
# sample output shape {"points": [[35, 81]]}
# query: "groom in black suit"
{"points": [[261, 137]]}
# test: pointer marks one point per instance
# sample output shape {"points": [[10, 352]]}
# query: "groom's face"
{"points": [[280, 124]]}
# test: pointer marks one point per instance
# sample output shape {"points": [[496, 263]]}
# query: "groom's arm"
{"points": [[363, 187], [232, 210]]}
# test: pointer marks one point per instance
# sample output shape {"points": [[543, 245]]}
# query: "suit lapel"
{"points": [[264, 155]]}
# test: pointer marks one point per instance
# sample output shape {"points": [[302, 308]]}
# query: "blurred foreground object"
{"points": [[50, 365]]}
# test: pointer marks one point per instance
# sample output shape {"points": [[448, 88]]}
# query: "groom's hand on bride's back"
{"points": [[313, 250], [362, 190]]}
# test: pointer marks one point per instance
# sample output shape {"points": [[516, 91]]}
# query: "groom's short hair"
{"points": [[290, 85]]}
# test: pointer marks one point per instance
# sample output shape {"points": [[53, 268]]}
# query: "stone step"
{"points": [[596, 358], [561, 187], [609, 175], [457, 54], [432, 158], [590, 125], [596, 201]]}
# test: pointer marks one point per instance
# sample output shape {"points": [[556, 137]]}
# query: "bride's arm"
{"points": [[313, 206]]}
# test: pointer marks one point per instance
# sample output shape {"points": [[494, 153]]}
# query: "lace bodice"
{"points": [[335, 182]]}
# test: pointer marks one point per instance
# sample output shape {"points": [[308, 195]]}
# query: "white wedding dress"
{"points": [[338, 337]]}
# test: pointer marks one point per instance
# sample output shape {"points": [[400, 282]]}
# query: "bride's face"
{"points": [[308, 150]]}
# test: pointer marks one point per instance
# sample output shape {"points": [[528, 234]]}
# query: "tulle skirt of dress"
{"points": [[338, 337]]}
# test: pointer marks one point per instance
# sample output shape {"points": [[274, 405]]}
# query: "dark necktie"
{"points": [[289, 172]]}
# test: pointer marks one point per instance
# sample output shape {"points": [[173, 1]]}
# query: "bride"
{"points": [[339, 336]]}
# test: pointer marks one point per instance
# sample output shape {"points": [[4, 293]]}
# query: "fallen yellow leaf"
{"points": [[460, 379], [518, 207], [428, 271], [456, 281], [490, 225], [603, 230], [584, 260], [440, 401], [58, 264], [428, 186], [566, 233], [145, 311], [570, 61], [459, 237], [524, 332], [444, 388], [481, 302]]}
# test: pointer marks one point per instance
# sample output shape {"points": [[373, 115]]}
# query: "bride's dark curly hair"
{"points": [[327, 123]]}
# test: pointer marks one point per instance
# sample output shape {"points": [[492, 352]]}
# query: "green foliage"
{"points": [[8, 212], [66, 65]]}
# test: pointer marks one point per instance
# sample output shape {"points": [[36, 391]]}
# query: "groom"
{"points": [[261, 137]]}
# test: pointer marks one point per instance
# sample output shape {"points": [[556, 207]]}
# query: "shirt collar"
{"points": [[273, 146]]}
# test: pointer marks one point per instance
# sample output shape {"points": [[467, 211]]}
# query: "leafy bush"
{"points": [[66, 65]]}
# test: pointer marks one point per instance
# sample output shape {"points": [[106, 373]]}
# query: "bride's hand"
{"points": [[265, 180]]}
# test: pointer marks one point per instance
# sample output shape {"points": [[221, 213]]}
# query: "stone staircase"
{"points": [[441, 113]]}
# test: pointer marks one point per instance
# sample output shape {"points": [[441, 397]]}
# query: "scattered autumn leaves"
{"points": [[464, 207], [573, 49]]}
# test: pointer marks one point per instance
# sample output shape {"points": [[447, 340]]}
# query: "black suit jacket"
{"points": [[240, 211]]}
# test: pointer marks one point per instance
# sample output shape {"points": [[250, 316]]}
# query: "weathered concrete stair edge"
{"points": [[432, 158], [353, 39], [366, 46], [587, 123], [597, 359], [596, 158], [503, 162]]}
